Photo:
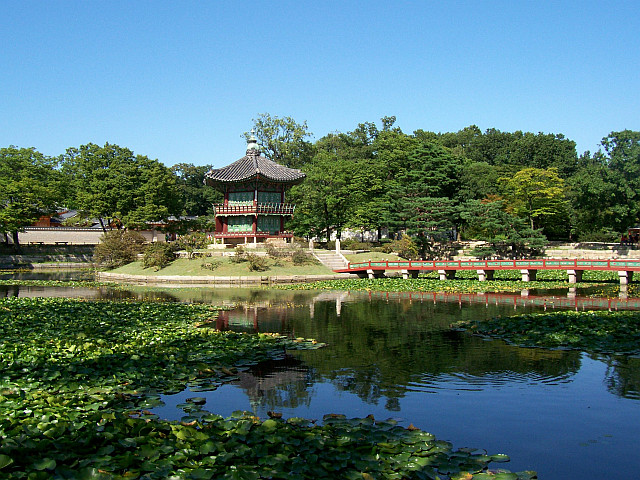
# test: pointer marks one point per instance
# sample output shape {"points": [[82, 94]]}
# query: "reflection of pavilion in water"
{"points": [[276, 384]]}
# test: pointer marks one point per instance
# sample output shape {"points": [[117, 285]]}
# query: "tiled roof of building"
{"points": [[252, 166]]}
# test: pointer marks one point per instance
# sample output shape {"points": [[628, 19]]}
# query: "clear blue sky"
{"points": [[180, 81]]}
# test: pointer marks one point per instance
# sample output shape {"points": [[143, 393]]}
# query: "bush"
{"points": [[405, 247], [117, 248], [240, 255], [157, 256], [212, 265], [191, 242], [301, 257], [256, 262]]}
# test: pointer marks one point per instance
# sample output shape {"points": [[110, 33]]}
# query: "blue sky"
{"points": [[181, 81]]}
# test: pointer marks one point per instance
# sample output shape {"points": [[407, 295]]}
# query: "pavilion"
{"points": [[254, 208]]}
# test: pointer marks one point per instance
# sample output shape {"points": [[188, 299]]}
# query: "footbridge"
{"points": [[486, 268]]}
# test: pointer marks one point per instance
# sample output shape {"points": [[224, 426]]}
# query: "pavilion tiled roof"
{"points": [[253, 166]]}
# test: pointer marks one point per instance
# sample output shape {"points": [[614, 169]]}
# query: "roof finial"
{"points": [[252, 144]]}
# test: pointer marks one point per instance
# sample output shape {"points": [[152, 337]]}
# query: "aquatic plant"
{"points": [[78, 380]]}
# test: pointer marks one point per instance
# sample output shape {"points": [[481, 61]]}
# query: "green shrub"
{"points": [[240, 255], [117, 248], [157, 256], [405, 248], [210, 265], [301, 257], [191, 242], [256, 262]]}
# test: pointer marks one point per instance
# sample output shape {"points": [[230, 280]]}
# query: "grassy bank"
{"points": [[223, 266], [78, 380]]}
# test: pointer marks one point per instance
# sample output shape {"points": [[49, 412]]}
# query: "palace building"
{"points": [[254, 207]]}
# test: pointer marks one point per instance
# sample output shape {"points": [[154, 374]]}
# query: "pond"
{"points": [[566, 414]]}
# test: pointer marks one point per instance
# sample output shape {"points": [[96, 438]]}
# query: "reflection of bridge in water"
{"points": [[249, 315]]}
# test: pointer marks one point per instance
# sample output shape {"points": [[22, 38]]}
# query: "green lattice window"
{"points": [[240, 224], [269, 197], [240, 198], [270, 224]]}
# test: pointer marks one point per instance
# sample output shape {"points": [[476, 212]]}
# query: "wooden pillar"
{"points": [[484, 275]]}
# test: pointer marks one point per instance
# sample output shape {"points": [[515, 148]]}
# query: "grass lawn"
{"points": [[224, 267]]}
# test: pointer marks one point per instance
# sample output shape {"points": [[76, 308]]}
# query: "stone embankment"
{"points": [[217, 280]]}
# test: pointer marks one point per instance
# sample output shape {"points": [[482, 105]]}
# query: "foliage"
{"points": [[117, 248], [191, 242], [29, 188], [507, 235], [282, 139], [404, 247], [301, 257], [197, 198], [240, 255], [608, 332], [257, 263], [535, 194], [113, 185], [430, 283], [158, 255]]}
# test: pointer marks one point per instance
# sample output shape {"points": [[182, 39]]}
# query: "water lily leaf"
{"points": [[5, 460], [500, 457], [45, 464]]}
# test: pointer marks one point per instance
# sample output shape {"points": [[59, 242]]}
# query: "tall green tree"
{"points": [[282, 139], [30, 187], [536, 194], [424, 194], [325, 200], [119, 188], [506, 234], [197, 199]]}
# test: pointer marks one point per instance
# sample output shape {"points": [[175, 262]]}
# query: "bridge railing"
{"points": [[533, 264]]}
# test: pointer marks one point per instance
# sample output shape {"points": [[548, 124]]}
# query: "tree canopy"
{"points": [[504, 187]]}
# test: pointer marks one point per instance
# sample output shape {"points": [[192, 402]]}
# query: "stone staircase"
{"points": [[331, 260]]}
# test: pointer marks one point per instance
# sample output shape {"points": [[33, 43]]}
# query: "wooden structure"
{"points": [[486, 268], [254, 207]]}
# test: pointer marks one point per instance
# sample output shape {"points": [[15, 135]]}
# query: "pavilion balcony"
{"points": [[221, 209], [252, 235]]}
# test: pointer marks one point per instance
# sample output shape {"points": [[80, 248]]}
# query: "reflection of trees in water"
{"points": [[277, 384], [623, 376], [381, 349]]}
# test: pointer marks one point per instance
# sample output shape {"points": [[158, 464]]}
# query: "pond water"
{"points": [[566, 414]]}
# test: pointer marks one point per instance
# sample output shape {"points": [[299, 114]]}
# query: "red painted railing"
{"points": [[252, 234], [255, 208], [533, 264]]}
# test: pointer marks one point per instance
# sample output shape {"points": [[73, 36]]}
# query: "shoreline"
{"points": [[219, 280]]}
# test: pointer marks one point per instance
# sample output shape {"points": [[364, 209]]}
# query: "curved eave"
{"points": [[219, 181]]}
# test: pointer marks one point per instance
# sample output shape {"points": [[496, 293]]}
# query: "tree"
{"points": [[430, 172], [196, 198], [506, 234], [601, 200], [29, 189], [324, 200], [535, 194], [118, 188], [283, 140]]}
